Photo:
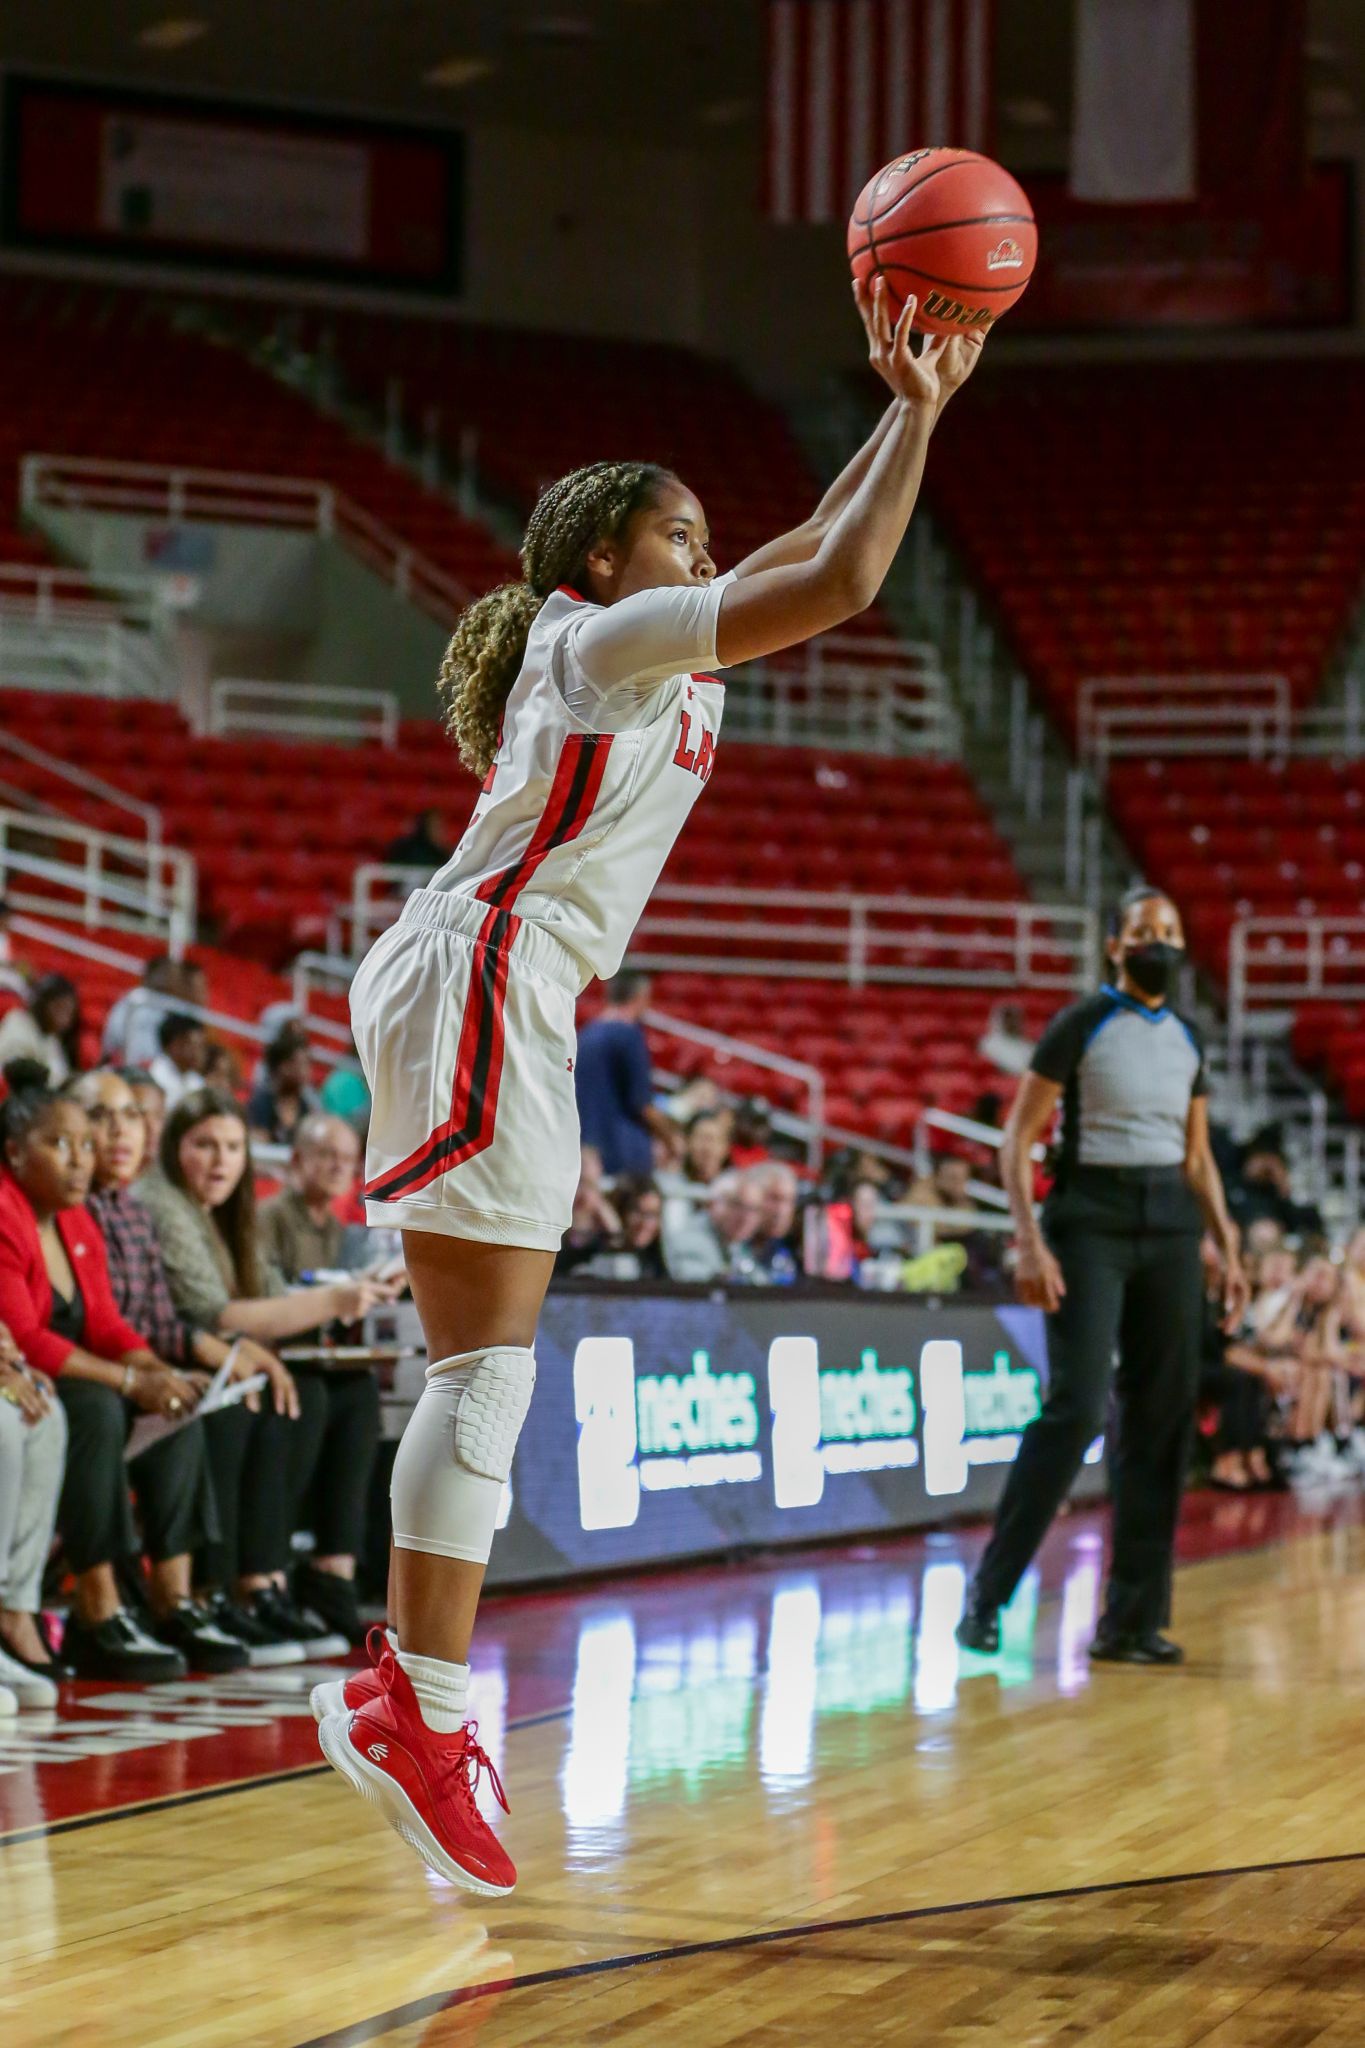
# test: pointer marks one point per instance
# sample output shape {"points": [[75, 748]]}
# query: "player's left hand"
{"points": [[1236, 1293]]}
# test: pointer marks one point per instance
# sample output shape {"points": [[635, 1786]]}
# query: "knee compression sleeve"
{"points": [[457, 1450]]}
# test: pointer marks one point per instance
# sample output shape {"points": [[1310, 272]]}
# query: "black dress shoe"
{"points": [[1149, 1648], [331, 1598], [201, 1640], [979, 1628], [121, 1648]]}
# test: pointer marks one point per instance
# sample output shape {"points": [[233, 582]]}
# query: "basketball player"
{"points": [[583, 695]]}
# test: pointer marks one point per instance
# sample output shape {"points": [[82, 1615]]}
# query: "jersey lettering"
{"points": [[685, 758], [698, 760]]}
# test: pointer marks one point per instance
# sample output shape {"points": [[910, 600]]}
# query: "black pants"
{"points": [[175, 1504], [251, 1463], [1141, 1292], [332, 1456]]}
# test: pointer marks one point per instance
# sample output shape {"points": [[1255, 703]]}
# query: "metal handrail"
{"points": [[241, 704], [180, 492], [810, 1077], [153, 883], [84, 779], [1121, 717]]}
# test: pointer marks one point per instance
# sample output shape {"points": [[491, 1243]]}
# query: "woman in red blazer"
{"points": [[55, 1296]]}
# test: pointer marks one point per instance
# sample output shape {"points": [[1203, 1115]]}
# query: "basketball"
{"points": [[947, 226]]}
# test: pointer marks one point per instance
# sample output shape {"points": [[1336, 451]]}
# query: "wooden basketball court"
{"points": [[772, 1804]]}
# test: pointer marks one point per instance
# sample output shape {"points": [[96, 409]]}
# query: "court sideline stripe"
{"points": [[362, 2031], [43, 1830]]}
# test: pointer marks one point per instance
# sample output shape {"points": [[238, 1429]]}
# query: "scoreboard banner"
{"points": [[666, 1427], [1260, 261], [154, 177]]}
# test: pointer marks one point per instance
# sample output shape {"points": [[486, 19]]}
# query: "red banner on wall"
{"points": [[151, 177], [1263, 262]]}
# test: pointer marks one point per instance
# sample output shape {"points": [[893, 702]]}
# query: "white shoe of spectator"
{"points": [[8, 1703], [29, 1688], [1322, 1464], [1355, 1451]]}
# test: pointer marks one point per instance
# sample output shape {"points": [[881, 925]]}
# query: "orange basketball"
{"points": [[950, 227]]}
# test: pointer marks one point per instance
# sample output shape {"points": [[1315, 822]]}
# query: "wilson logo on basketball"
{"points": [[378, 1750], [903, 164], [1006, 255]]}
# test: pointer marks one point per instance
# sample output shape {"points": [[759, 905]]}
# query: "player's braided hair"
{"points": [[570, 518]]}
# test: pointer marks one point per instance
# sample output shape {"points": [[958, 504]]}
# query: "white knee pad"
{"points": [[456, 1452]]}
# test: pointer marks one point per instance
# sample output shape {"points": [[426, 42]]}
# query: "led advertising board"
{"points": [[668, 1427]]}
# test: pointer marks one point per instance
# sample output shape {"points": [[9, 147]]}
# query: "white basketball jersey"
{"points": [[593, 780]]}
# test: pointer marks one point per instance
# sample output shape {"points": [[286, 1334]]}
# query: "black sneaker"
{"points": [[332, 1598], [120, 1648], [1150, 1648], [273, 1606], [979, 1628], [265, 1645], [201, 1641]]}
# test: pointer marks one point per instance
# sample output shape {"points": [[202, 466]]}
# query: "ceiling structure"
{"points": [[644, 69]]}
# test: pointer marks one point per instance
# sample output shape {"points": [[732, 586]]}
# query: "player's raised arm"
{"points": [[769, 608], [803, 541]]}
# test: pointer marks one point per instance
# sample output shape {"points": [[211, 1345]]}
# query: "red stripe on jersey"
{"points": [[573, 793], [469, 1127], [567, 590], [707, 679]]}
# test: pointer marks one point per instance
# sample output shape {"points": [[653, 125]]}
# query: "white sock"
{"points": [[391, 1637], [442, 1690]]}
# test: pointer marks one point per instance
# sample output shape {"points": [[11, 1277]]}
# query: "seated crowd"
{"points": [[139, 1285]]}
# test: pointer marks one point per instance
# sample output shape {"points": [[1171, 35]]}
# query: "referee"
{"points": [[1116, 1267]]}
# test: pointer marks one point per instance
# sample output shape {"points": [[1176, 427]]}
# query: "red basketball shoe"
{"points": [[423, 1783], [340, 1696]]}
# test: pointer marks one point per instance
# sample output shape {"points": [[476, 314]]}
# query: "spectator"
{"points": [[1263, 1190], [130, 1029], [635, 1250], [55, 1297], [345, 1094], [951, 1175], [616, 1110], [716, 1242], [300, 1232], [426, 845], [1308, 1329], [150, 1098], [180, 1063], [281, 1101], [142, 1295], [1238, 1378], [338, 1442], [32, 1460], [222, 1069], [13, 976], [47, 1029], [776, 1250], [593, 1222], [751, 1135], [1006, 1042], [203, 1201]]}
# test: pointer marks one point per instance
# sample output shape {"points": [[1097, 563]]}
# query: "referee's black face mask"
{"points": [[1153, 967]]}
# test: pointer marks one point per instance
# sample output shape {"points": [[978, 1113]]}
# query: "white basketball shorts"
{"points": [[463, 1017]]}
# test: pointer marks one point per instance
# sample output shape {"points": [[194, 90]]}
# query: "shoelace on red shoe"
{"points": [[468, 1759], [467, 1764]]}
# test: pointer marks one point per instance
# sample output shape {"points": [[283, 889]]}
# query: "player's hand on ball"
{"points": [[958, 355], [1038, 1278]]}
